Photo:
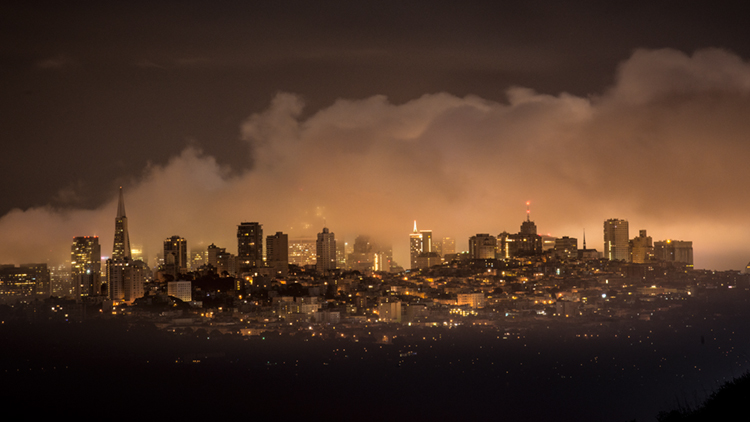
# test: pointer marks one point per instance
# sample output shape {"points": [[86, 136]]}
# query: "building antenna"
{"points": [[528, 211], [415, 226]]}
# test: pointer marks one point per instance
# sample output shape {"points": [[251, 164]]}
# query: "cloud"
{"points": [[58, 62], [665, 148]]}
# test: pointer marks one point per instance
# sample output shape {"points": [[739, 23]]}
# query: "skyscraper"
{"points": [[125, 277], [527, 242], [415, 246], [448, 246], [524, 243], [175, 256], [616, 240], [121, 248], [325, 248], [86, 266], [249, 246], [277, 253]]}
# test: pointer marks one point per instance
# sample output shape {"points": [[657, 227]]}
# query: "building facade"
{"points": [[175, 256], [86, 266], [277, 253], [325, 248], [125, 277], [249, 246], [616, 240], [641, 248]]}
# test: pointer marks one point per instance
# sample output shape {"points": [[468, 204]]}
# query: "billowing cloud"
{"points": [[664, 148]]}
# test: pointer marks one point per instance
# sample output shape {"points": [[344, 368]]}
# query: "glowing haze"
{"points": [[666, 148]]}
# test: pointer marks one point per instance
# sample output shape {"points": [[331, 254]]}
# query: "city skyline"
{"points": [[364, 120]]}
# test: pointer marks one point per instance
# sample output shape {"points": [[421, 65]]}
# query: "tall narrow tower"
{"points": [[249, 246], [121, 247], [125, 277], [175, 256], [277, 253], [325, 248], [415, 245], [86, 266]]}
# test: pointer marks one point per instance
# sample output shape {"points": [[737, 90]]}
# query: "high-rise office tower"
{"points": [[121, 248], [277, 253], [426, 241], [213, 252], [86, 266], [249, 246], [527, 242], [415, 246], [221, 260], [325, 248], [125, 277], [421, 251], [175, 256], [448, 246], [616, 240]]}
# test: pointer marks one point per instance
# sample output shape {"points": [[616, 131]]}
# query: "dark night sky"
{"points": [[371, 115]]}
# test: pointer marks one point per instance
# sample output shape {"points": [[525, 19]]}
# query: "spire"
{"points": [[415, 226], [584, 239], [121, 206], [121, 248]]}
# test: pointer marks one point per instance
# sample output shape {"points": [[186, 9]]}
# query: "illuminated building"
{"points": [[421, 251], [415, 246], [641, 248], [24, 280], [86, 266], [302, 252], [504, 245], [616, 240], [474, 300], [524, 243], [197, 259], [121, 248], [181, 290], [249, 246], [125, 277], [175, 256], [325, 252], [277, 253], [362, 258], [447, 246], [213, 251], [426, 241], [566, 247], [389, 311], [136, 252], [674, 251], [527, 242], [482, 246], [428, 259]]}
